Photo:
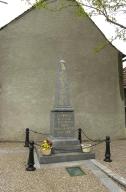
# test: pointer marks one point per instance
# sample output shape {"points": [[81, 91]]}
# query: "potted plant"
{"points": [[46, 147], [86, 148]]}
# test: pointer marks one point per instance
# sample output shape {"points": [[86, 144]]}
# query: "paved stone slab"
{"points": [[110, 173], [105, 180], [37, 164]]}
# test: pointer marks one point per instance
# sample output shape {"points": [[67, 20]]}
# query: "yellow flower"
{"points": [[45, 145]]}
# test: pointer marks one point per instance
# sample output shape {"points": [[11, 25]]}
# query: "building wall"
{"points": [[31, 47]]}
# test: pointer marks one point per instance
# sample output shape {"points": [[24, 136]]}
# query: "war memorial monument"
{"points": [[63, 134]]}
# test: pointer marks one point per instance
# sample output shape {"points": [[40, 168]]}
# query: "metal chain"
{"points": [[95, 144], [37, 132], [87, 136], [75, 130]]}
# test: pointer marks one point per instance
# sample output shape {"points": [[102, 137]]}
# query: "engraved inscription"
{"points": [[63, 124], [64, 120]]}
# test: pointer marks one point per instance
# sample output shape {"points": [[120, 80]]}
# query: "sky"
{"points": [[14, 8]]}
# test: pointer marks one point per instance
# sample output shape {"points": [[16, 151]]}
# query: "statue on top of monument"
{"points": [[62, 89], [63, 67]]}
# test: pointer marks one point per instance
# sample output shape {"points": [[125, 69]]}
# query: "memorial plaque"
{"points": [[75, 171]]}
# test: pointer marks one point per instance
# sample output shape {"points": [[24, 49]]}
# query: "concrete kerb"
{"points": [[37, 164], [114, 176]]}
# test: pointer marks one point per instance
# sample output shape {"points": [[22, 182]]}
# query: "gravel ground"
{"points": [[118, 156], [14, 178]]}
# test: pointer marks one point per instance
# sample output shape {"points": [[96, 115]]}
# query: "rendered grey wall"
{"points": [[30, 49]]}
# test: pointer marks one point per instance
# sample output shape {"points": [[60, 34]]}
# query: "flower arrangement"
{"points": [[46, 145]]}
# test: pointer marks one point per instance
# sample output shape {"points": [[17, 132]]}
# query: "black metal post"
{"points": [[31, 163], [26, 137], [79, 135], [107, 151]]}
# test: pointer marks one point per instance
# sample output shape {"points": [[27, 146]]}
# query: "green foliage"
{"points": [[100, 46], [40, 4], [110, 9], [81, 12], [97, 3]]}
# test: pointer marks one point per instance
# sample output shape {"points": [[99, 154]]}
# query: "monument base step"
{"points": [[65, 145], [67, 149], [63, 157], [64, 141]]}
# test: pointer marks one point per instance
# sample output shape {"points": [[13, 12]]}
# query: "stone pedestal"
{"points": [[63, 131]]}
